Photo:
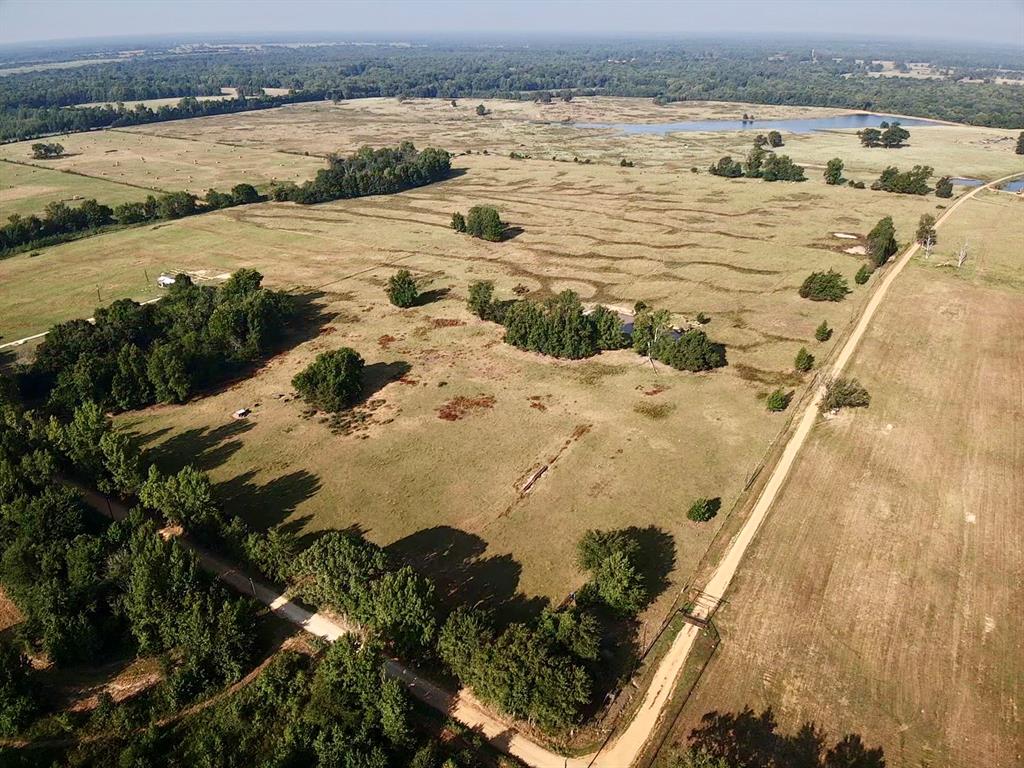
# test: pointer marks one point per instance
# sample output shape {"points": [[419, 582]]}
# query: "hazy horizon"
{"points": [[997, 22]]}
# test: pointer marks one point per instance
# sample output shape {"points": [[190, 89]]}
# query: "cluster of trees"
{"points": [[134, 355], [44, 151], [824, 286], [558, 327], [613, 559], [690, 350], [344, 571], [87, 586], [333, 381], [370, 172], [887, 135], [760, 164], [61, 222], [483, 221], [336, 708], [912, 182]]}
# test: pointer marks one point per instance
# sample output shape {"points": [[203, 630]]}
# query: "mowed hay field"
{"points": [[27, 189], [882, 596], [167, 164]]}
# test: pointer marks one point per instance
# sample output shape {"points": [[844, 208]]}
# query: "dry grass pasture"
{"points": [[27, 189], [627, 445], [882, 596], [167, 164], [545, 131]]}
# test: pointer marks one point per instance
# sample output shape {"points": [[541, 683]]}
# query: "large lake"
{"points": [[801, 125]]}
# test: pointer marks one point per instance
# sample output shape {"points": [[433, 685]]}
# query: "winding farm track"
{"points": [[627, 747]]}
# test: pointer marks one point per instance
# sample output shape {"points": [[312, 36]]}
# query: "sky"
{"points": [[996, 21]]}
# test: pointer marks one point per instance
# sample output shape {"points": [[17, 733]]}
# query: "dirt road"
{"points": [[623, 751]]}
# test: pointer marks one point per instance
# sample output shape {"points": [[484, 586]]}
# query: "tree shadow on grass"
{"points": [[376, 376], [267, 505], [431, 295], [749, 739], [204, 448], [455, 561], [657, 557], [511, 233]]}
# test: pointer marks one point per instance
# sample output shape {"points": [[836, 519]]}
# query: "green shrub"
{"points": [[823, 332], [484, 222], [481, 298], [863, 274], [703, 509], [333, 381], [824, 286], [402, 290], [881, 241], [844, 393], [458, 222], [804, 360], [778, 400]]}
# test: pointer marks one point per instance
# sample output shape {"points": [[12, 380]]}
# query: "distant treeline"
{"points": [[768, 73], [28, 123]]}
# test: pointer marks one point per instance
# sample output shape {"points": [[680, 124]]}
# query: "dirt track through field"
{"points": [[625, 749]]}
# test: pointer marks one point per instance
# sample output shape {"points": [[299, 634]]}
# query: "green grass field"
{"points": [[28, 189]]}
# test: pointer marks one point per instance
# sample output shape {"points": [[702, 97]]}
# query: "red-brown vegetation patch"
{"points": [[460, 406], [386, 341], [446, 322]]}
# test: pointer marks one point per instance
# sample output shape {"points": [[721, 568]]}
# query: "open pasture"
{"points": [[545, 131], [882, 595], [27, 189], [167, 164], [626, 444]]}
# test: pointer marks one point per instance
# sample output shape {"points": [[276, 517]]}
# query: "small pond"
{"points": [[1013, 186], [959, 182], [799, 125]]}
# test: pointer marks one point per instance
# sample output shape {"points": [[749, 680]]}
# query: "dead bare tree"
{"points": [[961, 255], [929, 243]]}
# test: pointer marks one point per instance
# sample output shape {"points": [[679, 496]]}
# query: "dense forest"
{"points": [[33, 103]]}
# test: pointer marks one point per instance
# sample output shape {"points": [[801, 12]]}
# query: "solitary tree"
{"points": [[894, 136], [333, 381], [1020, 144], [944, 187], [777, 401], [863, 274], [484, 222], [823, 332], [844, 393], [481, 297], [824, 286], [481, 110], [775, 138], [881, 241], [925, 229], [834, 171], [703, 509], [402, 290], [458, 222], [870, 137], [804, 360]]}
